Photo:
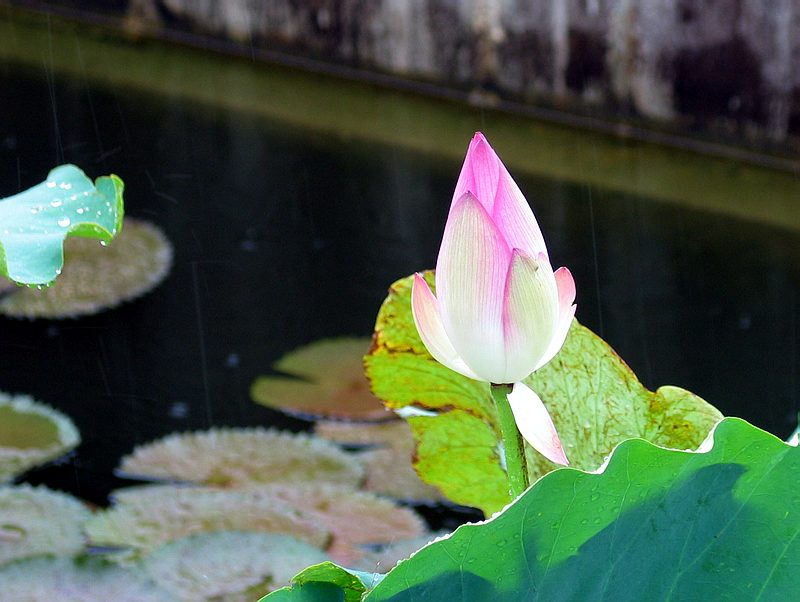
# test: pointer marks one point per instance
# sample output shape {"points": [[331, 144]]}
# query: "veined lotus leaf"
{"points": [[97, 277], [144, 518], [229, 566], [243, 457], [654, 524], [327, 381], [36, 521], [594, 398], [66, 580], [325, 582], [353, 518], [35, 222], [31, 433]]}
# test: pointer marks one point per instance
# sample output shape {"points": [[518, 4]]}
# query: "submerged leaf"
{"points": [[229, 566], [31, 433], [656, 524], [35, 222], [65, 580], [36, 521], [327, 381], [594, 398], [242, 458], [144, 518], [95, 278]]}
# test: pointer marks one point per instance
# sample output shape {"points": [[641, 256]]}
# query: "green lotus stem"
{"points": [[513, 445]]}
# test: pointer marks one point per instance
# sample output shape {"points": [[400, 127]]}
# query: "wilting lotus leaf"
{"points": [[654, 524], [35, 222], [242, 458], [36, 521], [229, 566], [87, 580], [144, 518], [352, 517], [594, 398], [94, 277], [328, 382], [384, 559], [31, 433]]}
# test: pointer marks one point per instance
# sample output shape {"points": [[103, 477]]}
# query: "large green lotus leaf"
{"points": [[655, 524], [35, 222], [595, 400]]}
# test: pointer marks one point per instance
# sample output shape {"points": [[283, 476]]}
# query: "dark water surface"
{"points": [[283, 236]]}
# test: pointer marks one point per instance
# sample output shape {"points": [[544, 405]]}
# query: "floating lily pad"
{"points": [[352, 517], [95, 277], [87, 580], [144, 518], [229, 566], [594, 398], [31, 433], [390, 472], [326, 381], [384, 559], [36, 521], [395, 434], [242, 458], [35, 222]]}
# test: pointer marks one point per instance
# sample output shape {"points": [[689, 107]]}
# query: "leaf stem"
{"points": [[513, 445]]}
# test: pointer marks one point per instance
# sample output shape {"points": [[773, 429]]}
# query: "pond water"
{"points": [[284, 235]]}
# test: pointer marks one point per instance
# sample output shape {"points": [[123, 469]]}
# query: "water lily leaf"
{"points": [[144, 518], [324, 582], [31, 433], [655, 524], [35, 222], [229, 566], [387, 461], [327, 381], [353, 518], [97, 277], [87, 580], [594, 398], [242, 458], [36, 520]]}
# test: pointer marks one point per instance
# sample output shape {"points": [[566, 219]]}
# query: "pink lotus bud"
{"points": [[500, 311]]}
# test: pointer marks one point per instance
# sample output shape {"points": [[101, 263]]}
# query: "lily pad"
{"points": [[35, 222], [95, 277], [36, 521], [654, 524], [229, 566], [243, 458], [66, 580], [144, 518], [326, 380], [395, 434], [390, 472], [594, 398], [31, 433]]}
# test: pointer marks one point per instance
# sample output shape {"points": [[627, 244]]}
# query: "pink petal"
{"points": [[566, 298], [535, 425], [514, 217], [480, 173], [425, 309], [530, 314], [470, 284]]}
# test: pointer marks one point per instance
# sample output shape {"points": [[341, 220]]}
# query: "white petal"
{"points": [[425, 309], [566, 297], [535, 424], [530, 315], [470, 284]]}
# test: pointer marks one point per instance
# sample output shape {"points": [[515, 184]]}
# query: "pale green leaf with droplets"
{"points": [[595, 400], [34, 223]]}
